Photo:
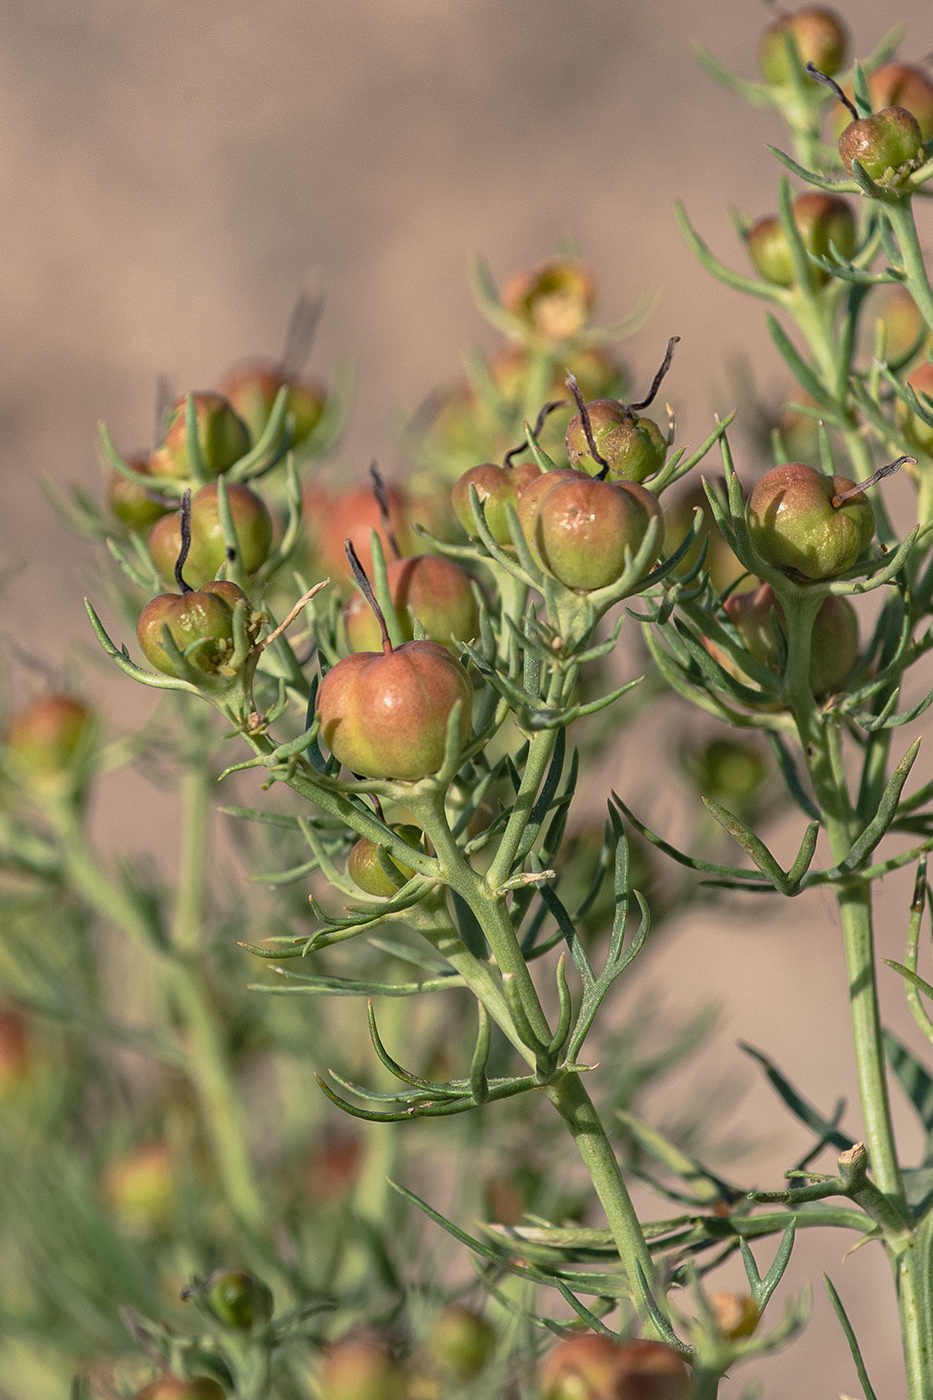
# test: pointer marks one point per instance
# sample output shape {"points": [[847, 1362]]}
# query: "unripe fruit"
{"points": [[139, 1188], [578, 529], [171, 1388], [252, 389], [365, 869], [497, 488], [554, 299], [130, 502], [460, 1342], [820, 37], [821, 219], [428, 587], [360, 1367], [222, 436], [736, 1314], [44, 738], [884, 144], [918, 433], [384, 714], [238, 1299], [834, 643], [897, 85], [795, 527], [633, 446], [730, 771], [202, 615], [252, 523]]}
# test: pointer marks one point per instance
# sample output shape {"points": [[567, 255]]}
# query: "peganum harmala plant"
{"points": [[436, 775]]}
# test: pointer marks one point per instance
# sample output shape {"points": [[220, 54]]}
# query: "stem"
{"points": [[820, 742], [573, 1103], [901, 218]]}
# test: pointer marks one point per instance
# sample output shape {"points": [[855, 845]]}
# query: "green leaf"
{"points": [[798, 1106], [851, 1338], [914, 978]]}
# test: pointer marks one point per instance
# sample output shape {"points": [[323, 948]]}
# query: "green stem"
{"points": [[573, 1103], [900, 215], [820, 741]]}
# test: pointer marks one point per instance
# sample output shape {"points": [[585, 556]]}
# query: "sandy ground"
{"points": [[171, 176]]}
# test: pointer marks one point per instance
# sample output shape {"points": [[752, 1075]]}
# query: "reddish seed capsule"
{"points": [[222, 436], [633, 445], [820, 37], [360, 1366], [834, 645], [579, 529], [251, 521], [794, 525], [554, 299], [820, 219], [171, 1388], [44, 738], [896, 85], [252, 389], [204, 615], [385, 714], [427, 587], [885, 144], [497, 488], [592, 1367]]}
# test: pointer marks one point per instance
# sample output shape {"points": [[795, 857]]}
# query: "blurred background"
{"points": [[172, 177]]}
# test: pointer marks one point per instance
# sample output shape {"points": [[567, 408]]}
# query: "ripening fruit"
{"points": [[554, 299], [130, 502], [202, 615], [460, 1342], [15, 1053], [579, 529], [834, 643], [45, 737], [208, 551], [139, 1188], [633, 445], [222, 435], [238, 1299], [795, 527], [896, 85], [591, 1367], [252, 388], [820, 37], [360, 1366], [384, 714], [428, 587], [884, 144], [821, 219], [365, 868], [172, 1388], [352, 514], [736, 1314], [497, 488]]}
